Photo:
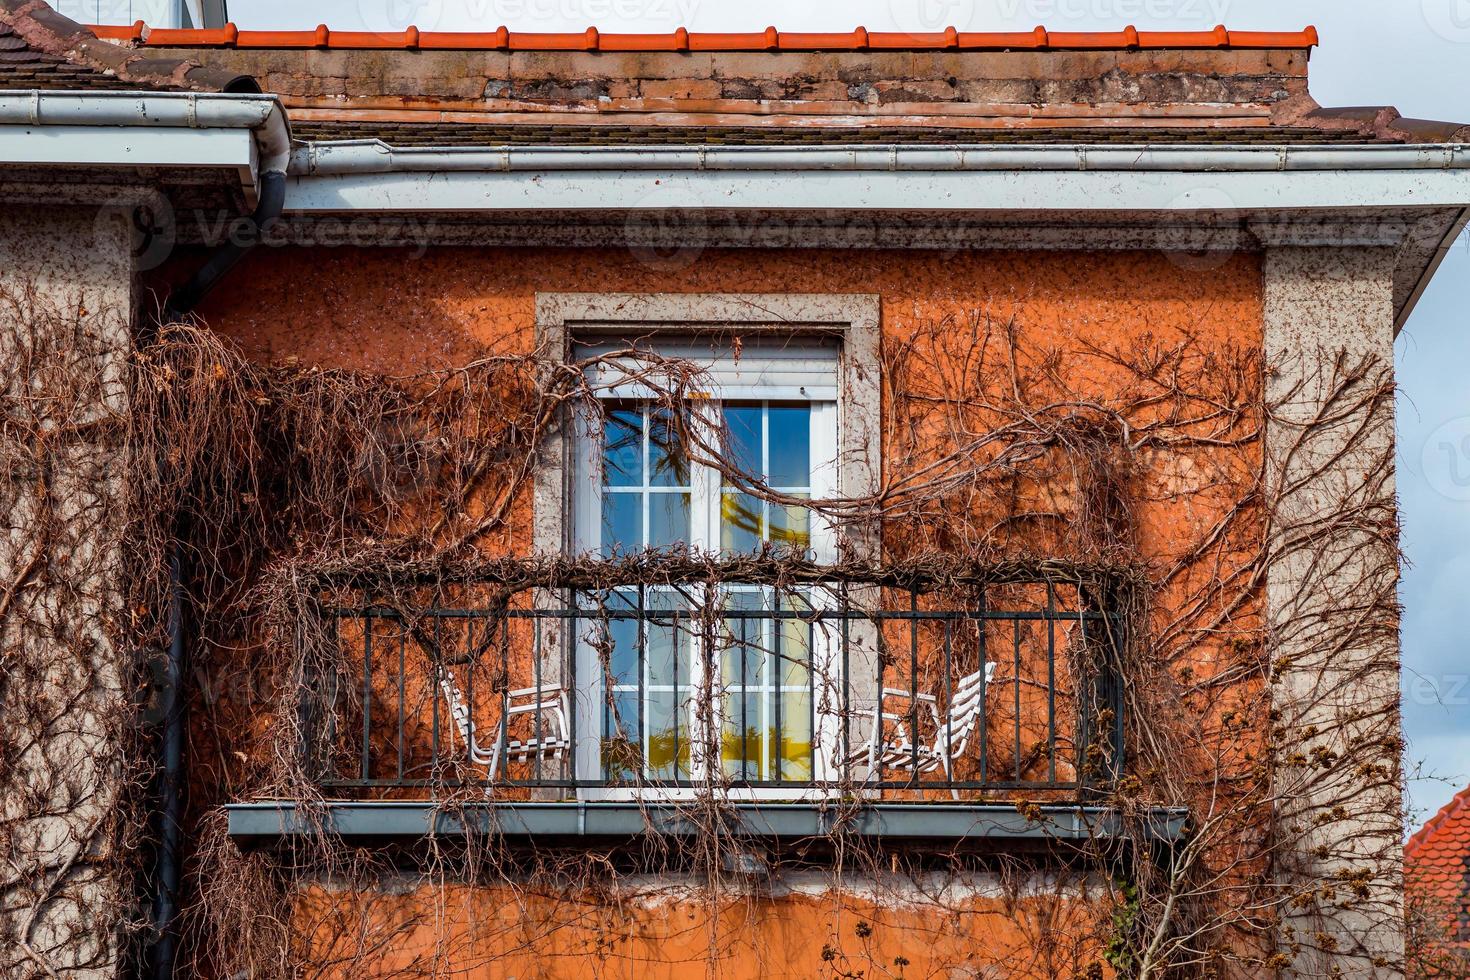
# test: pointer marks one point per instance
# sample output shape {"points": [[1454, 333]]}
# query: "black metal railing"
{"points": [[822, 688]]}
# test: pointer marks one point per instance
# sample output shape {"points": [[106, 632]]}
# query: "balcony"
{"points": [[580, 705]]}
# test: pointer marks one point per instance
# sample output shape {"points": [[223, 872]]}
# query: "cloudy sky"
{"points": [[1413, 54]]}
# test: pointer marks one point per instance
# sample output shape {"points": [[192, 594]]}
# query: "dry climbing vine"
{"points": [[1143, 464]]}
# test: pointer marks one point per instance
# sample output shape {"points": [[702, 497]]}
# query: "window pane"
{"points": [[740, 737], [622, 449], [668, 737], [744, 652], [622, 744], [791, 526], [622, 522], [666, 639], [744, 450], [796, 735], [668, 519], [740, 523], [622, 659], [796, 646], [791, 445], [668, 463]]}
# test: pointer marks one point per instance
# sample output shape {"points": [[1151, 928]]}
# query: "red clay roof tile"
{"points": [[859, 39], [1437, 857]]}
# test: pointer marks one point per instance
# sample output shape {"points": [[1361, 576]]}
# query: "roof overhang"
{"points": [[110, 131], [1416, 197]]}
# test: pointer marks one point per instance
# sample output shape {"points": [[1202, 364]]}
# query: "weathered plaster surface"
{"points": [[62, 696], [1331, 604]]}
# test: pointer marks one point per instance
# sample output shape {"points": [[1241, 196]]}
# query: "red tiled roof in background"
{"points": [[859, 39], [1437, 858]]}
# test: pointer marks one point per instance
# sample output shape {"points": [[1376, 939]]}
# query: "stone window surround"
{"points": [[853, 317]]}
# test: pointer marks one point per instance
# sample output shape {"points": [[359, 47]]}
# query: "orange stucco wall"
{"points": [[390, 312]]}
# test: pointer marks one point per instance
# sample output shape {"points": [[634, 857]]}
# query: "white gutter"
{"points": [[375, 156], [146, 129], [368, 176]]}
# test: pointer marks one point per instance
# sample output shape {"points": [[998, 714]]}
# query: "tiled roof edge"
{"points": [[771, 39], [43, 29], [1461, 800]]}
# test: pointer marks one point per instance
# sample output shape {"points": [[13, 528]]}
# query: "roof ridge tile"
{"points": [[682, 39]]}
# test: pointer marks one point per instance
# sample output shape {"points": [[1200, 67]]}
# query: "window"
{"points": [[791, 365], [773, 408]]}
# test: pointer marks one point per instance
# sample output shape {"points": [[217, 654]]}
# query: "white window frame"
{"points": [[706, 499], [566, 502]]}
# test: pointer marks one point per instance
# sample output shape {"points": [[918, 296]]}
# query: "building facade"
{"points": [[843, 504]]}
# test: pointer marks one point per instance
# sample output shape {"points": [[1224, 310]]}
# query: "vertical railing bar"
{"points": [[438, 654], [811, 697], [1016, 642], [641, 663], [402, 693], [1051, 682], [948, 699], [673, 717], [567, 669], [982, 622], [914, 682], [536, 685], [774, 683], [334, 686], [367, 693], [469, 677], [744, 702], [1085, 694], [1116, 678], [845, 691], [502, 605]]}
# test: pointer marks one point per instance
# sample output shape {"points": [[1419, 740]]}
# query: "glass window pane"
{"points": [[622, 522], [622, 743], [744, 450], [791, 445], [795, 742], [668, 737], [740, 737], [796, 649], [745, 642], [740, 523], [668, 519], [668, 462], [666, 639], [791, 526], [622, 449], [622, 658]]}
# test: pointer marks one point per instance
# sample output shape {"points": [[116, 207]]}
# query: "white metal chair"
{"points": [[550, 703], [899, 753]]}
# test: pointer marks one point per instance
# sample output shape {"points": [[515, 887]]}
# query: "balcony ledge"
{"points": [[262, 824]]}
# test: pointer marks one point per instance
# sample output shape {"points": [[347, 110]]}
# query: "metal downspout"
{"points": [[181, 303]]}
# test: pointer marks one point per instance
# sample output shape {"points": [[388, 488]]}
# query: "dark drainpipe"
{"points": [[181, 302]]}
